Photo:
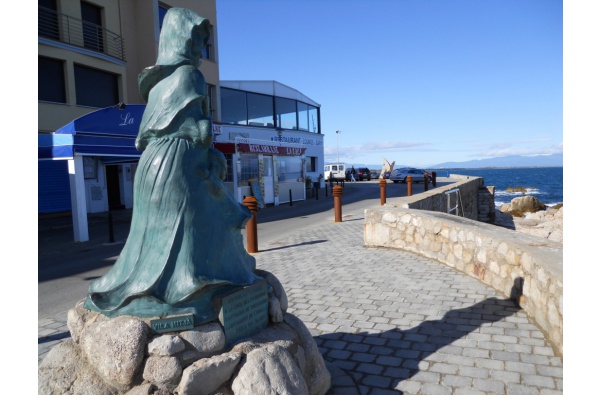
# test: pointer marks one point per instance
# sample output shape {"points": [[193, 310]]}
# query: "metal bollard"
{"points": [[382, 190], [337, 202], [325, 190], [251, 236], [426, 182], [409, 186], [291, 198], [434, 179]]}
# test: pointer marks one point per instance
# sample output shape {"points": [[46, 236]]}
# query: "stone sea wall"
{"points": [[520, 266], [522, 262], [467, 201]]}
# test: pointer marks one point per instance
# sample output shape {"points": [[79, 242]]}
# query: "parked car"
{"points": [[363, 173], [374, 174], [386, 174], [400, 175]]}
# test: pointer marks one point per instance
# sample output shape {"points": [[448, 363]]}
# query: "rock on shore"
{"points": [[528, 215]]}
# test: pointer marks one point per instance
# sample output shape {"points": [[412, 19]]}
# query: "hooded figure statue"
{"points": [[184, 244]]}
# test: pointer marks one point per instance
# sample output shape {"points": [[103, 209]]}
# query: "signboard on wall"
{"points": [[90, 167], [269, 149]]}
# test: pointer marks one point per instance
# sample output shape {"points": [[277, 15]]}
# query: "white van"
{"points": [[335, 170]]}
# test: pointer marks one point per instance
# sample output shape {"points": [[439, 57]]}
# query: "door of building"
{"points": [[268, 179], [113, 187]]}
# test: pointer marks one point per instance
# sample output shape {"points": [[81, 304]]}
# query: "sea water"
{"points": [[545, 183]]}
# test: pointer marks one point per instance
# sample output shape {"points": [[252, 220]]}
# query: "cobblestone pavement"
{"points": [[391, 322]]}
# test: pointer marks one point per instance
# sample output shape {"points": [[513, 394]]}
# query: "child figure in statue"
{"points": [[185, 244]]}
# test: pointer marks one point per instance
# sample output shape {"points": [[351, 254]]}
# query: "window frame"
{"points": [[43, 81], [81, 91]]}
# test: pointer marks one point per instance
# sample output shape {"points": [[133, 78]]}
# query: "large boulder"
{"points": [[269, 370], [116, 349], [547, 224], [206, 375], [521, 205], [65, 371]]}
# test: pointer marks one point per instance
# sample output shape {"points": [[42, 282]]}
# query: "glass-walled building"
{"points": [[271, 136]]}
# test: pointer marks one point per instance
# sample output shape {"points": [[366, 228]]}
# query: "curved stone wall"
{"points": [[522, 267]]}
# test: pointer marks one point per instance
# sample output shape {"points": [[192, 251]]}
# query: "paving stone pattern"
{"points": [[391, 322], [395, 322]]}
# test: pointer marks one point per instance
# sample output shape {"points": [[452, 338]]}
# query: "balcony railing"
{"points": [[66, 29]]}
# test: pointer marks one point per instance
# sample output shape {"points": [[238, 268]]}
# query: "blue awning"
{"points": [[107, 132], [52, 146]]}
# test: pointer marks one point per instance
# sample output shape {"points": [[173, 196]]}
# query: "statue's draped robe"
{"points": [[184, 244]]}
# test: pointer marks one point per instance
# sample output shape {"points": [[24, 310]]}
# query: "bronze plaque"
{"points": [[245, 312], [172, 324]]}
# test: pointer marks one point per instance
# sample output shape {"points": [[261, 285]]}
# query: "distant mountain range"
{"points": [[554, 160]]}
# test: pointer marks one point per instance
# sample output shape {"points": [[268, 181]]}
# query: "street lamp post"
{"points": [[337, 133]]}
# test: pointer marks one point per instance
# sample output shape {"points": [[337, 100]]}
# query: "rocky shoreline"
{"points": [[528, 215]]}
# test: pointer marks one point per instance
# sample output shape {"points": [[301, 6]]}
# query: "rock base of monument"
{"points": [[123, 355]]}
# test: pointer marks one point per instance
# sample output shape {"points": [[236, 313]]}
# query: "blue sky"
{"points": [[418, 82]]}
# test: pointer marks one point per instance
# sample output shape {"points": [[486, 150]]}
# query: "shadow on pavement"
{"points": [[385, 359], [54, 337], [295, 245]]}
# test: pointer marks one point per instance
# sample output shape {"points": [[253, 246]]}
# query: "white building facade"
{"points": [[271, 136]]}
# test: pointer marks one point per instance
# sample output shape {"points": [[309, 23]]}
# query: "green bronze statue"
{"points": [[184, 244]]}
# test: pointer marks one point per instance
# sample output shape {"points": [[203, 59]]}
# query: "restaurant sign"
{"points": [[269, 149]]}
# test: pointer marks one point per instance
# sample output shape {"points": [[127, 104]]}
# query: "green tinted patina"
{"points": [[185, 243]]}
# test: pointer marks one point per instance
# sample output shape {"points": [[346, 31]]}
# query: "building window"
{"points": [[207, 51], [313, 119], [91, 16], [308, 118], [286, 113], [289, 168], [96, 88], [48, 19], [233, 107], [311, 163], [303, 116], [260, 109], [254, 109], [51, 80], [248, 169], [229, 176]]}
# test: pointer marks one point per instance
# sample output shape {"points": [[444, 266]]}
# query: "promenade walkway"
{"points": [[391, 322]]}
